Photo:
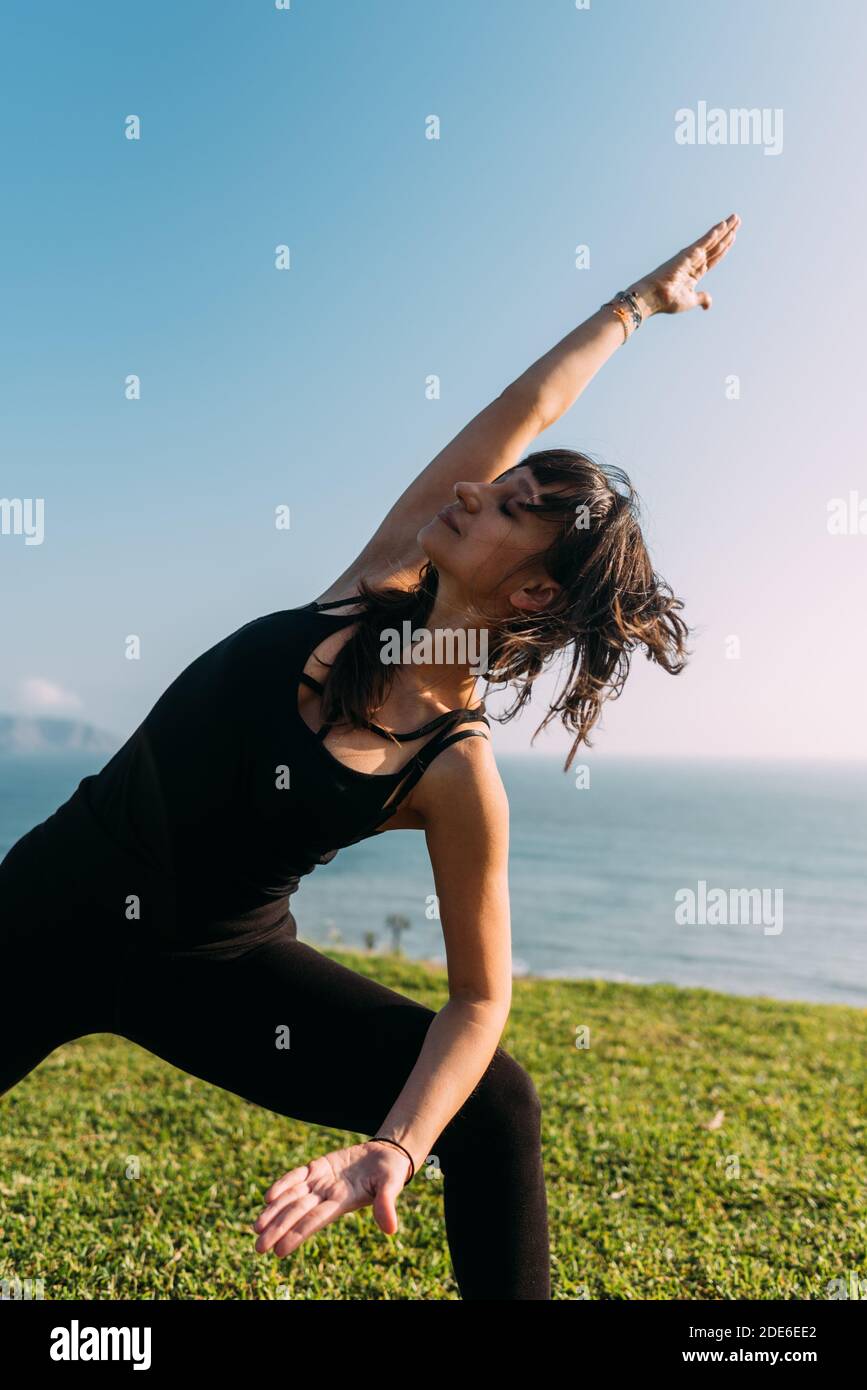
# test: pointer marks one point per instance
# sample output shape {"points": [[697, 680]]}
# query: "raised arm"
{"points": [[496, 438]]}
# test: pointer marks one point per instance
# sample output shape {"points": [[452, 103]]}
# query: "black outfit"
{"points": [[154, 904]]}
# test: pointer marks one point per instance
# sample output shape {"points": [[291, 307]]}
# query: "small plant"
{"points": [[397, 923]]}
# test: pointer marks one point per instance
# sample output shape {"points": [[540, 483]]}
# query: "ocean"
{"points": [[744, 877]]}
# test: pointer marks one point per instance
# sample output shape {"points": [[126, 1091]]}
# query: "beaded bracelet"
{"points": [[382, 1140], [625, 306]]}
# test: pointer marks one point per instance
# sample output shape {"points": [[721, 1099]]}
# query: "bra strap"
{"points": [[322, 731], [463, 718], [422, 763], [312, 681], [432, 724], [457, 717]]}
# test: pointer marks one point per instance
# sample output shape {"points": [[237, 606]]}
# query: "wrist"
{"points": [[399, 1149], [646, 298]]}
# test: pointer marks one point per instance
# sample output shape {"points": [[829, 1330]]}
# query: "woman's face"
{"points": [[487, 534]]}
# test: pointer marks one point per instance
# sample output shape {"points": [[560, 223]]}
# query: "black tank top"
{"points": [[224, 797]]}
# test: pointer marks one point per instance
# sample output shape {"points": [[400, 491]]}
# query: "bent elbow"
{"points": [[488, 1011]]}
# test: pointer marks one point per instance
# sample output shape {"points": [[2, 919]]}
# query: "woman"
{"points": [[154, 902]]}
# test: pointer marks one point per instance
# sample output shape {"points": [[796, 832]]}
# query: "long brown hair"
{"points": [[611, 602]]}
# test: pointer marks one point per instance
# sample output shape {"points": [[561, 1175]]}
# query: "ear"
{"points": [[532, 598]]}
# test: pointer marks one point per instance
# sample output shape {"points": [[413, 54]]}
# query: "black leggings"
{"points": [[67, 972]]}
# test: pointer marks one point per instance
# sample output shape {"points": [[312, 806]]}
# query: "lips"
{"points": [[447, 516]]}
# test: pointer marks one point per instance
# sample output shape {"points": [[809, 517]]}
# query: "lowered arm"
{"points": [[466, 826]]}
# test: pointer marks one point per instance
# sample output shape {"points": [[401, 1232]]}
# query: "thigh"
{"points": [[282, 1026], [57, 964]]}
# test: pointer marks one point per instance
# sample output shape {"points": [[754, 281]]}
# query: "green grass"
{"points": [[645, 1201]]}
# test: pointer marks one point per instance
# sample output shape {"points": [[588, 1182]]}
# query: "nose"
{"points": [[468, 495]]}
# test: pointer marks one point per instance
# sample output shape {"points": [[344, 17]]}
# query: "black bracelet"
{"points": [[382, 1140]]}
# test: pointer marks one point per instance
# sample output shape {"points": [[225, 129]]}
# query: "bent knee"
{"points": [[505, 1101], [512, 1084]]}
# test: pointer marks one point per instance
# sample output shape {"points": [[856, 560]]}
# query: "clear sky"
{"points": [[408, 256]]}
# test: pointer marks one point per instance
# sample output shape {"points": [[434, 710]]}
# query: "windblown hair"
{"points": [[611, 602]]}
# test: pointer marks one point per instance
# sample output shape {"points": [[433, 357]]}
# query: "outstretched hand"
{"points": [[312, 1196], [670, 289]]}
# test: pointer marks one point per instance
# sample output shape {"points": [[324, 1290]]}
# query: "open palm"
{"points": [[671, 288], [315, 1194]]}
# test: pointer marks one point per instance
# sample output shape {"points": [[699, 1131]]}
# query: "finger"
{"points": [[721, 250], [704, 299], [385, 1208], [710, 259], [270, 1213], [715, 234], [273, 1209], [285, 1221], [287, 1180], [723, 229], [324, 1213]]}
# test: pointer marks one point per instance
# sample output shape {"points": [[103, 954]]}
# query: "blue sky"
{"points": [[409, 256]]}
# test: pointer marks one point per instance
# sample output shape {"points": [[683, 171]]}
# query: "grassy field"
{"points": [[702, 1147]]}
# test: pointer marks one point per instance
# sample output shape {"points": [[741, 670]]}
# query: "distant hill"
{"points": [[22, 733]]}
